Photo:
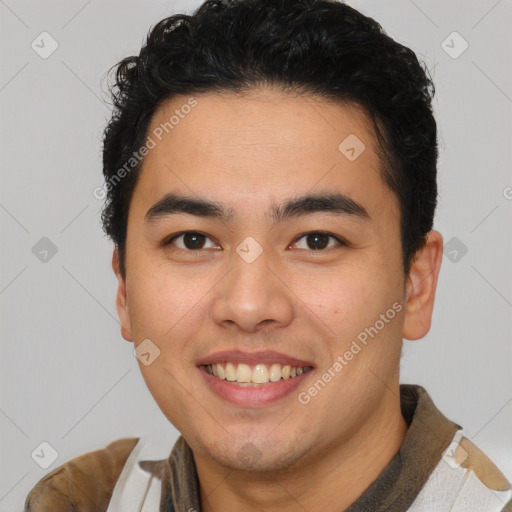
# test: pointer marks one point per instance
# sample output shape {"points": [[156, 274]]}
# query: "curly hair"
{"points": [[322, 47]]}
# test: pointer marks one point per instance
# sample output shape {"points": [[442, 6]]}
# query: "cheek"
{"points": [[352, 298], [163, 381], [159, 304]]}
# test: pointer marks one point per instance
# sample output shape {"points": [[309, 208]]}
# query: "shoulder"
{"points": [[465, 479], [84, 483], [473, 459]]}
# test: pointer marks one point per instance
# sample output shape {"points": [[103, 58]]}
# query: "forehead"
{"points": [[246, 148]]}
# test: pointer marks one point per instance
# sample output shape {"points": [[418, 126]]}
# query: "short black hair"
{"points": [[322, 47]]}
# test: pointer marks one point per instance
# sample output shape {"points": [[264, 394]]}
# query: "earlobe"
{"points": [[421, 287], [121, 299]]}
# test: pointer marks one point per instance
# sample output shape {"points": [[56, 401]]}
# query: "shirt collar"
{"points": [[428, 435]]}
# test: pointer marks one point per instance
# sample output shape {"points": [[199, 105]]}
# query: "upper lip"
{"points": [[237, 356]]}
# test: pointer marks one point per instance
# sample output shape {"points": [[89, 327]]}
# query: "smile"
{"points": [[255, 375]]}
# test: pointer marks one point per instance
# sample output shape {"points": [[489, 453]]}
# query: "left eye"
{"points": [[319, 240]]}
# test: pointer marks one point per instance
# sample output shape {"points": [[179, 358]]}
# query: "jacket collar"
{"points": [[428, 435]]}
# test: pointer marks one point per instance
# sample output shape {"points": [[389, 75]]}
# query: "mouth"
{"points": [[254, 375], [253, 380]]}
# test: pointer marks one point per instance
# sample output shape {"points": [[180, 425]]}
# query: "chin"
{"points": [[255, 453]]}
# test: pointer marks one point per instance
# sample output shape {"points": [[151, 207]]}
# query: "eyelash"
{"points": [[167, 242]]}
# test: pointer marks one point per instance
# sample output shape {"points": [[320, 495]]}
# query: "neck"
{"points": [[333, 479]]}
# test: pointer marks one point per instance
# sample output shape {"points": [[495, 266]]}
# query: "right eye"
{"points": [[192, 241]]}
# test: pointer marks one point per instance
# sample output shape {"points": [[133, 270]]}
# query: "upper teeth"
{"points": [[259, 374]]}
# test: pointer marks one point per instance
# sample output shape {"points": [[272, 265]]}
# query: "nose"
{"points": [[253, 295]]}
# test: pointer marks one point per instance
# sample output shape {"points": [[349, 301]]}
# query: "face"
{"points": [[249, 289]]}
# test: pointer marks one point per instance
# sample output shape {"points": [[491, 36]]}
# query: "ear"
{"points": [[421, 287], [121, 299]]}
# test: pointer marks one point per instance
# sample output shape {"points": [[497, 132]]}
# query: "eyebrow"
{"points": [[335, 203]]}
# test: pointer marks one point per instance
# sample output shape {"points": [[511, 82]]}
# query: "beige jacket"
{"points": [[437, 469]]}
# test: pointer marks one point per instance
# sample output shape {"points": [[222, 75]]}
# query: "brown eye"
{"points": [[318, 240], [195, 241], [191, 241]]}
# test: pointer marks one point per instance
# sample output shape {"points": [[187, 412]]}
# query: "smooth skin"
{"points": [[251, 151]]}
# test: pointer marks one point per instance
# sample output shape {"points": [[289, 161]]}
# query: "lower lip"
{"points": [[252, 396]]}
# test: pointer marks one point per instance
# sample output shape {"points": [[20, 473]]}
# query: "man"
{"points": [[270, 174]]}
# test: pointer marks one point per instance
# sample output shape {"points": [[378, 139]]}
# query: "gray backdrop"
{"points": [[68, 377]]}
